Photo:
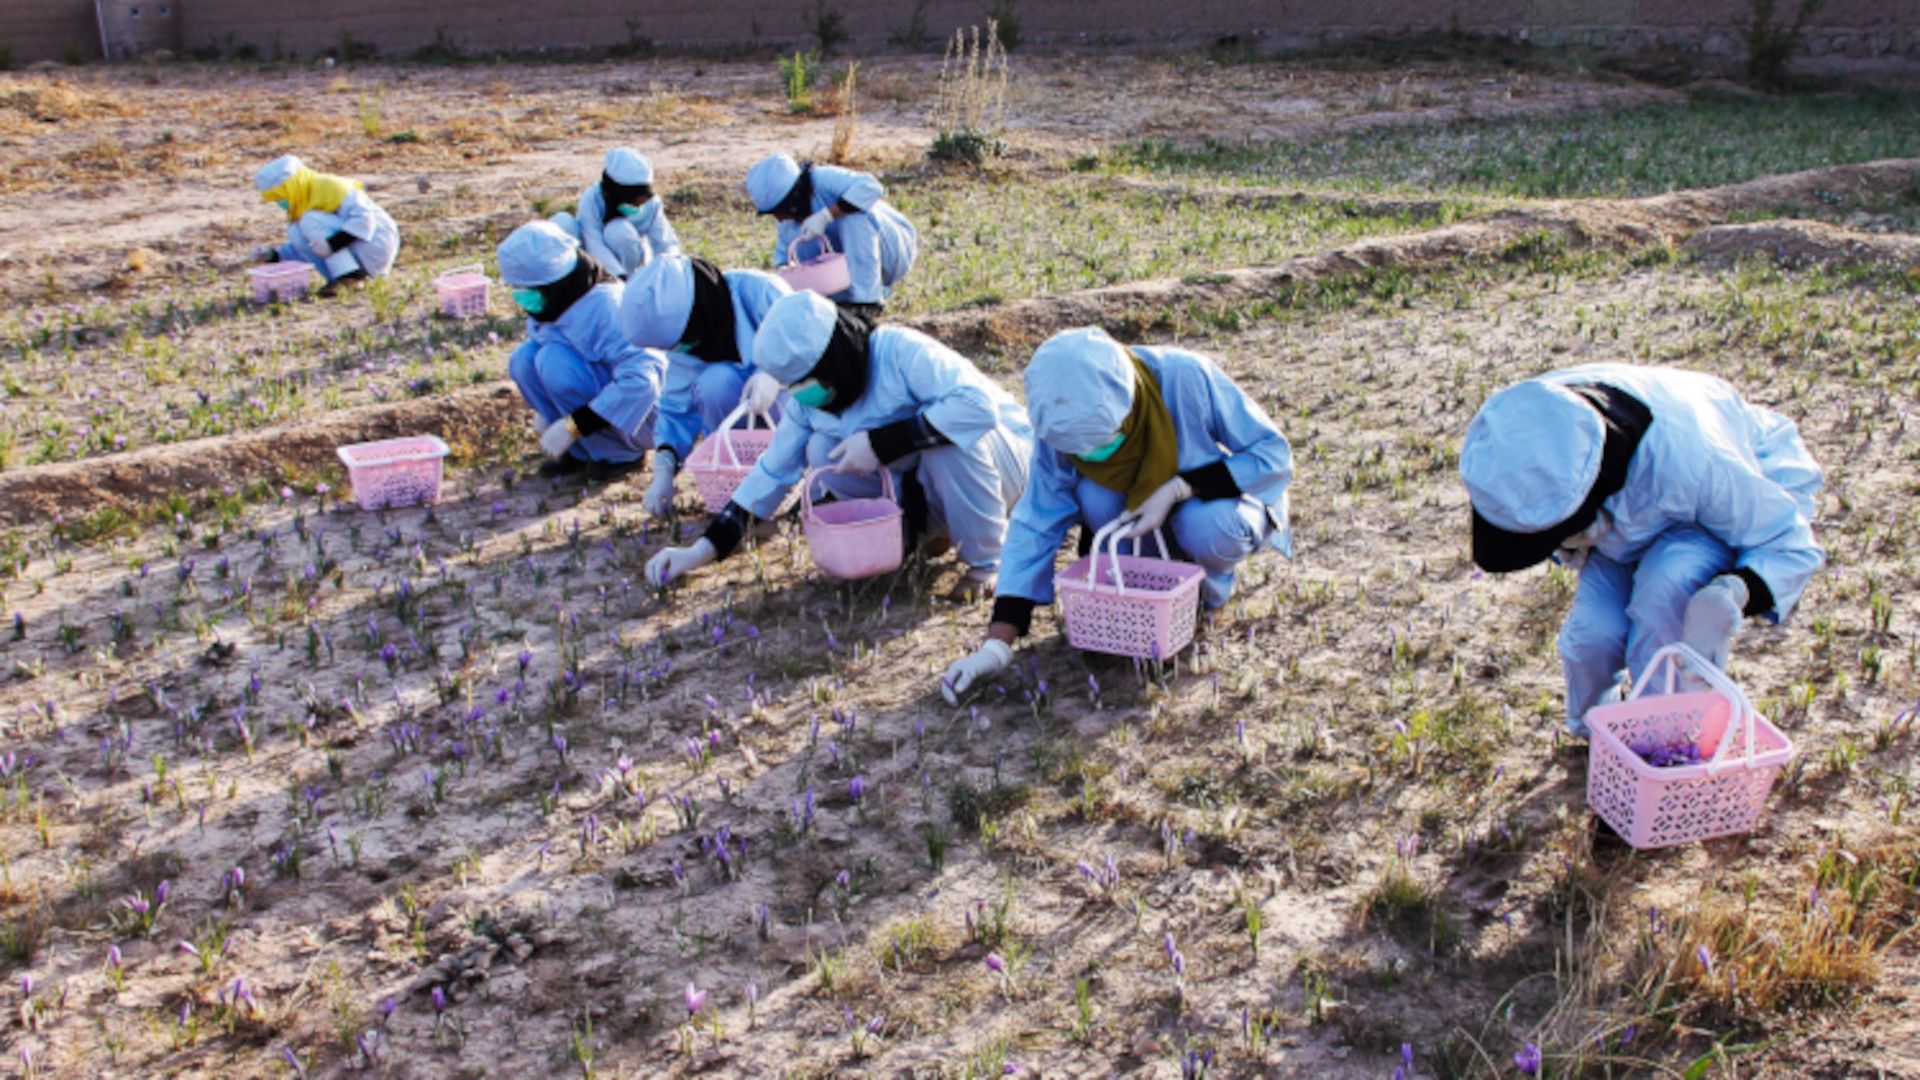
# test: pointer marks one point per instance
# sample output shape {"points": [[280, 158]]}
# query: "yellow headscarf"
{"points": [[1149, 455], [308, 190]]}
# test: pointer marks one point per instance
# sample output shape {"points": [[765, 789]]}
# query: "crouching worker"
{"points": [[1685, 509], [862, 399], [595, 395], [849, 209], [333, 224], [1147, 437], [620, 221], [708, 318]]}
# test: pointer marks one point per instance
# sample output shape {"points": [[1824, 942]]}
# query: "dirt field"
{"points": [[292, 789]]}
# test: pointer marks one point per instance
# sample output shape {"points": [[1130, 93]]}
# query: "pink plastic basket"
{"points": [[395, 472], [724, 458], [854, 538], [284, 280], [463, 292], [825, 273], [1129, 605], [1653, 807]]}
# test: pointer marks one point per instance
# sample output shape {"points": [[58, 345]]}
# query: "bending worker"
{"points": [[708, 318], [331, 223], [620, 221], [849, 209], [595, 394], [1150, 437], [1685, 508], [862, 399]]}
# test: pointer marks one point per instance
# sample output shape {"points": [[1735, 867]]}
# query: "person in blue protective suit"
{"points": [[620, 220], [1147, 437], [708, 318], [862, 399], [331, 223], [1685, 508], [850, 210], [595, 394]]}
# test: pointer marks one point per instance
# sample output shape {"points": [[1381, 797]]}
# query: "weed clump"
{"points": [[970, 111], [1771, 40], [798, 73]]}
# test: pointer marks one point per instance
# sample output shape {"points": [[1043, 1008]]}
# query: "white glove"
{"points": [[991, 658], [658, 501], [1153, 513], [855, 455], [670, 564], [760, 393], [815, 225], [558, 436], [1713, 618]]}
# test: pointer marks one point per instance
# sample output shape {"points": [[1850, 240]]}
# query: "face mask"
{"points": [[811, 393], [284, 205], [627, 211], [1104, 451], [685, 347], [530, 300]]}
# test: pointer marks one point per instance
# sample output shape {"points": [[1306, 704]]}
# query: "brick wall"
{"points": [[1880, 28]]}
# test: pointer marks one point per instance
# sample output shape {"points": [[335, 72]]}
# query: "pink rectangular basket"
{"points": [[1653, 807], [854, 538], [826, 273], [395, 472], [724, 458], [1129, 605], [463, 292], [284, 280]]}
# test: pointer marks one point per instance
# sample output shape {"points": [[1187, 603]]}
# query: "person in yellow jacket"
{"points": [[333, 224]]}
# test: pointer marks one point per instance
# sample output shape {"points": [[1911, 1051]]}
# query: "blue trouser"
{"points": [[880, 246], [969, 491], [716, 392], [1216, 534], [375, 256], [555, 380], [1623, 613]]}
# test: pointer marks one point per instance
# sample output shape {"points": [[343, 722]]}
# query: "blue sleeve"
{"points": [[661, 237], [634, 393], [592, 214], [356, 215], [1261, 459], [782, 236], [945, 388], [679, 424], [1040, 520], [859, 190], [782, 466], [1763, 523]]}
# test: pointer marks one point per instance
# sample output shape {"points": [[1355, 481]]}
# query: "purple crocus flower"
{"points": [[857, 788], [995, 964], [695, 999], [1705, 956], [439, 996], [1527, 1059]]}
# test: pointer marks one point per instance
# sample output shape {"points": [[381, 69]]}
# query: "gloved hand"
{"points": [[815, 225], [1153, 513], [670, 564], [991, 658], [658, 501], [855, 455], [558, 436], [1714, 616], [265, 253], [760, 393]]}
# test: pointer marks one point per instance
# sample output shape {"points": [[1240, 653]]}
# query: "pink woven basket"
{"points": [[723, 459], [463, 292], [1129, 605], [284, 280], [825, 273], [854, 538], [1652, 806], [395, 472]]}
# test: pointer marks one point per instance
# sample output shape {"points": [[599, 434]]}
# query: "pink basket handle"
{"points": [[1110, 535], [1669, 660], [793, 248], [470, 268], [806, 487], [724, 436]]}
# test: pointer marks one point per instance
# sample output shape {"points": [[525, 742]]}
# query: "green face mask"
{"points": [[811, 393], [284, 205], [627, 210], [685, 347], [530, 300], [1104, 451]]}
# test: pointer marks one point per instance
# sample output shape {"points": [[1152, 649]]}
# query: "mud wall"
{"points": [[1845, 29]]}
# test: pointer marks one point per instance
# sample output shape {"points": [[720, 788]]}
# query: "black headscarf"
{"points": [[799, 200], [579, 281], [846, 365], [709, 333], [615, 195], [1626, 419]]}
